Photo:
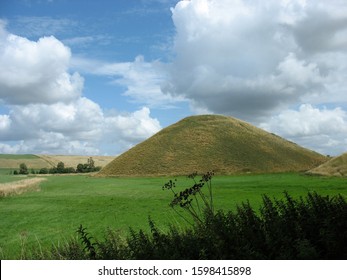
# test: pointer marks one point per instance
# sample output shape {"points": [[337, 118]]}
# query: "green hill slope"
{"points": [[337, 166], [212, 142]]}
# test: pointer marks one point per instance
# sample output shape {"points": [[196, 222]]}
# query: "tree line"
{"points": [[60, 168]]}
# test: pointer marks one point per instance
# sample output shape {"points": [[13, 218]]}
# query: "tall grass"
{"points": [[19, 187]]}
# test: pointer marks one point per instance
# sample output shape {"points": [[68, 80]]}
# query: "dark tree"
{"points": [[43, 171], [23, 169], [80, 168], [91, 164], [60, 167]]}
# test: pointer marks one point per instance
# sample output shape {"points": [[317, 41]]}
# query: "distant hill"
{"points": [[12, 161], [74, 160], [336, 166], [212, 142]]}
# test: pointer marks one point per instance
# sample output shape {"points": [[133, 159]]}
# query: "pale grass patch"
{"points": [[19, 187]]}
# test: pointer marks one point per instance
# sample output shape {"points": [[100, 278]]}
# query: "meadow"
{"points": [[50, 216]]}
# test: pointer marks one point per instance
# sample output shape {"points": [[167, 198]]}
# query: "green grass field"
{"points": [[6, 177], [52, 215]]}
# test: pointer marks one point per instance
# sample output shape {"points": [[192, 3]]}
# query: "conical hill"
{"points": [[336, 166], [212, 142]]}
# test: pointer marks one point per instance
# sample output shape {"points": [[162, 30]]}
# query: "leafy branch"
{"points": [[86, 241], [193, 200]]}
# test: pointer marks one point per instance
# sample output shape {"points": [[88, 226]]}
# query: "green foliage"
{"points": [[87, 167], [60, 167], [71, 249], [193, 200], [69, 170], [89, 246], [81, 168], [113, 247], [23, 169]]}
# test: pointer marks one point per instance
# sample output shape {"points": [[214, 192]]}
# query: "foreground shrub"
{"points": [[310, 228]]}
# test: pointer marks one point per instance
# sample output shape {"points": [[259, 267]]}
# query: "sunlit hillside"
{"points": [[212, 142]]}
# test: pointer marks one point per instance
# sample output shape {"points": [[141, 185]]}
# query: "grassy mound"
{"points": [[337, 166], [223, 144]]}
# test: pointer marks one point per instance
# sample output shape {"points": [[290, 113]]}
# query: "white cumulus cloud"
{"points": [[36, 72], [47, 112], [79, 127], [141, 79], [320, 129], [256, 60], [251, 59], [131, 128]]}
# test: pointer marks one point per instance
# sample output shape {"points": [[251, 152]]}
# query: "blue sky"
{"points": [[108, 31], [97, 77]]}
